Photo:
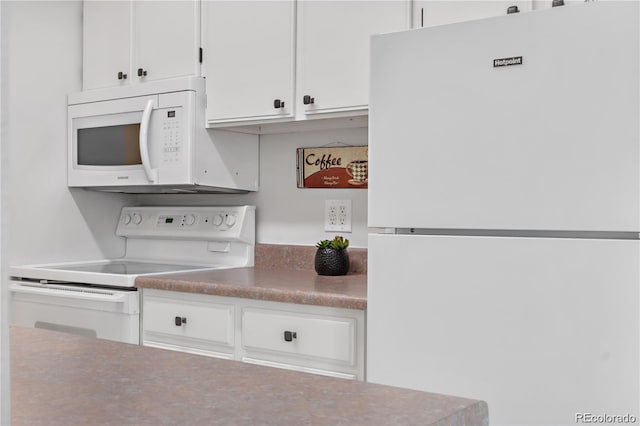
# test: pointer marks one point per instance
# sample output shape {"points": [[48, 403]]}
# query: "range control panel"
{"points": [[189, 223]]}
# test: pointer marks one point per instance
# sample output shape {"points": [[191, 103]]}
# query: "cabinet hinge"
{"points": [[200, 55]]}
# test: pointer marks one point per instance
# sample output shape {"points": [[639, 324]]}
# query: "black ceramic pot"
{"points": [[332, 262]]}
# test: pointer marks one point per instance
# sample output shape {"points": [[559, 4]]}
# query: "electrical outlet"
{"points": [[337, 215]]}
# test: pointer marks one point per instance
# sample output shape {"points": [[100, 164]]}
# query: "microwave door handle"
{"points": [[152, 174]]}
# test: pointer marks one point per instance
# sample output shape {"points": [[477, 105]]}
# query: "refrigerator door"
{"points": [[542, 329], [551, 144]]}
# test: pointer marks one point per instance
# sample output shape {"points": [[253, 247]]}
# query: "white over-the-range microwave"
{"points": [[151, 138]]}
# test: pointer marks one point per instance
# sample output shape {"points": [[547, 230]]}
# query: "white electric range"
{"points": [[98, 298]]}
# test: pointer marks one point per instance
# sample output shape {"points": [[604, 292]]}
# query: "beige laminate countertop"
{"points": [[278, 285], [65, 379]]}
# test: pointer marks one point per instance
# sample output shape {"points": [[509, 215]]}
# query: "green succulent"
{"points": [[338, 243], [324, 244]]}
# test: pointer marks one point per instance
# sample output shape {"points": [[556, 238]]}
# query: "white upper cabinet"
{"points": [[428, 13], [167, 38], [159, 38], [249, 60], [333, 49], [289, 61], [106, 44]]}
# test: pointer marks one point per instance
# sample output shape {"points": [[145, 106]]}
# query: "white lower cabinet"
{"points": [[313, 339], [189, 323], [324, 342]]}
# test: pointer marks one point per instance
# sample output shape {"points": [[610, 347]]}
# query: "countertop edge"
{"points": [[476, 414], [76, 379], [333, 300]]}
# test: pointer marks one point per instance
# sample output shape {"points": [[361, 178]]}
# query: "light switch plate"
{"points": [[337, 215]]}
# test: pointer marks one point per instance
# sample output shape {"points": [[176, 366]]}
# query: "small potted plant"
{"points": [[332, 257]]}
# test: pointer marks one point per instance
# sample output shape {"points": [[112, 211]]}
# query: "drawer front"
{"points": [[204, 321], [311, 336]]}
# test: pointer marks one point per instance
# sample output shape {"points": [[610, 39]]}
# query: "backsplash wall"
{"points": [[286, 214]]}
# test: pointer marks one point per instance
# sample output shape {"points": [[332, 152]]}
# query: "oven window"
{"points": [[109, 146]]}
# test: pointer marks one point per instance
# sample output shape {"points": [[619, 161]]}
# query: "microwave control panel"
{"points": [[172, 132]]}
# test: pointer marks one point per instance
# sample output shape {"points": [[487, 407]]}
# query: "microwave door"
{"points": [[109, 143]]}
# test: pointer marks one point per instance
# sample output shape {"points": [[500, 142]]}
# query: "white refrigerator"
{"points": [[504, 213]]}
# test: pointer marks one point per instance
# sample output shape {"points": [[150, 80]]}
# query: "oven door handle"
{"points": [[152, 174], [60, 291]]}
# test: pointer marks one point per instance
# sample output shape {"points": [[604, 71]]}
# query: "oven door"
{"points": [[103, 313]]}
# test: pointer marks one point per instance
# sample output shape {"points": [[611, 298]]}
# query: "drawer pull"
{"points": [[180, 321], [290, 335]]}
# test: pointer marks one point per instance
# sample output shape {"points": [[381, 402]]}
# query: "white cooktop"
{"points": [[116, 273], [123, 267]]}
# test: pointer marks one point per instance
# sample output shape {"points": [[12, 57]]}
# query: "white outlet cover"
{"points": [[337, 215]]}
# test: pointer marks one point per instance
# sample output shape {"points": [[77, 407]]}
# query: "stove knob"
{"points": [[217, 220], [231, 219], [127, 219], [189, 219], [137, 219]]}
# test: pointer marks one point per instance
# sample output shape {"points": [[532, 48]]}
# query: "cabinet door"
{"points": [[428, 13], [249, 59], [189, 323], [106, 43], [166, 39], [333, 51], [306, 337]]}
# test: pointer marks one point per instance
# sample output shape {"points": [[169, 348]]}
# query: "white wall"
{"points": [[42, 56], [286, 214]]}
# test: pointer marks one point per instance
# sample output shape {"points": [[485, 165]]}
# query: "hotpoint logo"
{"points": [[505, 62]]}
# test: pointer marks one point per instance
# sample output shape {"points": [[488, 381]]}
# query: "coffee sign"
{"points": [[333, 167]]}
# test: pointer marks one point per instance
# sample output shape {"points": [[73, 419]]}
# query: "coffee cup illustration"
{"points": [[359, 171]]}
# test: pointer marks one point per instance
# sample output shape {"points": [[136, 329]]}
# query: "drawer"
{"points": [[210, 322], [319, 337]]}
